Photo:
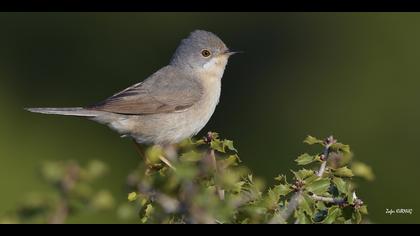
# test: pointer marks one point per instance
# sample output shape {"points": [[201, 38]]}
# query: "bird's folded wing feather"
{"points": [[167, 90]]}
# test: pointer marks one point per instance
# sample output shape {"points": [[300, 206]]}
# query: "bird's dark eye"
{"points": [[205, 53]]}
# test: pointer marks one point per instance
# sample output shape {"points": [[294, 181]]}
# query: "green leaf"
{"points": [[302, 218], [214, 135], [132, 196], [217, 145], [305, 159], [344, 148], [343, 172], [198, 142], [282, 189], [147, 213], [250, 178], [363, 209], [232, 160], [333, 213], [281, 179], [187, 172], [153, 154], [351, 196], [340, 184], [312, 140], [229, 144], [103, 200], [52, 171], [362, 170], [319, 187], [311, 179], [356, 217], [303, 174], [306, 204], [191, 156], [238, 186], [96, 169]]}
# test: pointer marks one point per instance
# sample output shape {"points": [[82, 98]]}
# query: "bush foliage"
{"points": [[204, 181]]}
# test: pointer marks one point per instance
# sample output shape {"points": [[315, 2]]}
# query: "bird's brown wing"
{"points": [[168, 90]]}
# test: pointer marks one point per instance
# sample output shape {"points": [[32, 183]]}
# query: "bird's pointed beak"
{"points": [[230, 52]]}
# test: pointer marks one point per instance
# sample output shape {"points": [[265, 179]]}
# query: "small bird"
{"points": [[172, 104]]}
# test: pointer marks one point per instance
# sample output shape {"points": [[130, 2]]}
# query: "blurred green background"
{"points": [[353, 75]]}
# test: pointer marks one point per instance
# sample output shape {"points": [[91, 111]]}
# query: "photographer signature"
{"points": [[398, 211]]}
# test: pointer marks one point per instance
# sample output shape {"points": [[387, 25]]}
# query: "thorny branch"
{"points": [[294, 201]]}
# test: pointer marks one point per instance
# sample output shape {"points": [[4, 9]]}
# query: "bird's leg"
{"points": [[139, 149]]}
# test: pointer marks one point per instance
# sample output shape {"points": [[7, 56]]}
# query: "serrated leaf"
{"points": [[214, 135], [340, 184], [250, 178], [282, 189], [232, 160], [362, 170], [132, 196], [303, 174], [343, 172], [311, 179], [238, 186], [191, 156], [312, 140], [229, 144], [332, 215], [279, 178], [318, 187], [217, 145], [306, 204], [344, 148], [305, 159], [302, 218]]}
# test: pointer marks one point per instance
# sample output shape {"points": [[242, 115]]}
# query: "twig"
{"points": [[66, 185], [219, 190], [294, 201], [328, 142], [293, 204], [337, 201], [291, 207], [61, 213]]}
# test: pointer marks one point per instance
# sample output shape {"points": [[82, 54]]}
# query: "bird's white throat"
{"points": [[214, 68]]}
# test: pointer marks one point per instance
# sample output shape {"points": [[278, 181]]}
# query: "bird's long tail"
{"points": [[71, 111]]}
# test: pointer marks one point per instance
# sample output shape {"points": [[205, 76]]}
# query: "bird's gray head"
{"points": [[202, 50]]}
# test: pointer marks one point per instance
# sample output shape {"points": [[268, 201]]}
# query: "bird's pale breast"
{"points": [[173, 127]]}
